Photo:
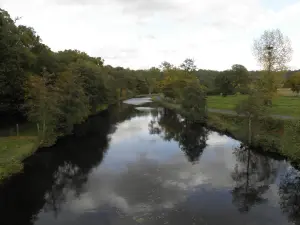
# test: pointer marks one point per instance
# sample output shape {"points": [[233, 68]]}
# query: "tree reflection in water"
{"points": [[54, 173], [289, 192], [190, 136], [253, 175]]}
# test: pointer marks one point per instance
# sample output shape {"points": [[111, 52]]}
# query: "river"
{"points": [[134, 164]]}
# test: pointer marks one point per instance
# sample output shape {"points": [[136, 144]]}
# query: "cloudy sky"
{"points": [[143, 33]]}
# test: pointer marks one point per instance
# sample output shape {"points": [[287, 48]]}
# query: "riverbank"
{"points": [[270, 135], [15, 148], [281, 105]]}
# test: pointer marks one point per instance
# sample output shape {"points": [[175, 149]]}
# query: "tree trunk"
{"points": [[248, 167], [249, 131]]}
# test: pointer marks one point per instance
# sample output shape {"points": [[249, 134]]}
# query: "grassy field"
{"points": [[13, 150], [282, 105]]}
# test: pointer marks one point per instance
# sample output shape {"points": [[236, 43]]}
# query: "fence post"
{"points": [[17, 126], [38, 129]]}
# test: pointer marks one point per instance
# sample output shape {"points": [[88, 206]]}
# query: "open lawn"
{"points": [[14, 149], [282, 105], [12, 152]]}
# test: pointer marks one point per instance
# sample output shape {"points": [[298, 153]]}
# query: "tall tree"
{"points": [[253, 108], [253, 175], [294, 82], [12, 75], [73, 101], [166, 66], [273, 50], [188, 65], [41, 105]]}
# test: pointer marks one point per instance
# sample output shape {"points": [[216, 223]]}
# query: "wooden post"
{"points": [[44, 129], [17, 126], [38, 129]]}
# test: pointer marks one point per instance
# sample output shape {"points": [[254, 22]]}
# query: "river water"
{"points": [[134, 164]]}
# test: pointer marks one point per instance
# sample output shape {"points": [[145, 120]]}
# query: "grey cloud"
{"points": [[129, 6]]}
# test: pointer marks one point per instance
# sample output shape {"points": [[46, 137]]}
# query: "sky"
{"points": [[143, 33]]}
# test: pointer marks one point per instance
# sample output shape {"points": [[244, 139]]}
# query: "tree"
{"points": [[41, 105], [289, 192], [191, 136], [294, 82], [188, 65], [266, 86], [252, 108], [194, 101], [240, 78], [253, 174], [12, 75], [273, 50], [166, 66], [224, 84], [234, 80], [73, 101], [207, 78]]}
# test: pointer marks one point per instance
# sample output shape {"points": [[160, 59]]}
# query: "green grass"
{"points": [[282, 105], [13, 150], [228, 103]]}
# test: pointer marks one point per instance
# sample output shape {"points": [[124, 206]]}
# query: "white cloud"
{"points": [[142, 33]]}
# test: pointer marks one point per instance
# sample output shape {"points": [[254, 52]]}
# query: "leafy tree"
{"points": [[194, 101], [73, 101], [252, 108], [191, 136], [267, 86], [289, 192], [166, 66], [273, 50], [224, 83], [253, 175], [207, 78], [93, 82], [188, 65], [294, 82], [12, 75], [42, 106], [240, 78], [231, 81]]}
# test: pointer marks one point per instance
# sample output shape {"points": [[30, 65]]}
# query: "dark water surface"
{"points": [[133, 165]]}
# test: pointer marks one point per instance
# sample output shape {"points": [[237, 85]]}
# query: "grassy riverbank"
{"points": [[13, 150], [282, 105], [270, 135]]}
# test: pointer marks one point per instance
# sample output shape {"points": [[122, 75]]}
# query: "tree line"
{"points": [[56, 90]]}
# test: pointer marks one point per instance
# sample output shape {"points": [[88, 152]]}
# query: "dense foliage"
{"points": [[56, 90]]}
